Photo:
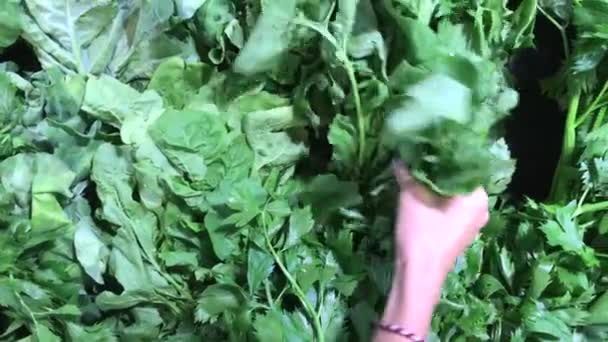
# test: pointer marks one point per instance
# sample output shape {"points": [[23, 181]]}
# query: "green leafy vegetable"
{"points": [[221, 170]]}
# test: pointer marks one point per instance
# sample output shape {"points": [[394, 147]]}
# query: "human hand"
{"points": [[432, 229], [430, 233]]}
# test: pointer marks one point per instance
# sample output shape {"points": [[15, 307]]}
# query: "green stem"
{"points": [[582, 199], [592, 207], [298, 291], [280, 296], [593, 106], [560, 28], [342, 56], [321, 300], [29, 313], [163, 274], [359, 111], [268, 294], [452, 304], [560, 178], [599, 119]]}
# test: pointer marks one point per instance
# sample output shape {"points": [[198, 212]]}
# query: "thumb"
{"points": [[402, 175]]}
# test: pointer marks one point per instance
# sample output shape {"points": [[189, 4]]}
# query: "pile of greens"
{"points": [[220, 170]]}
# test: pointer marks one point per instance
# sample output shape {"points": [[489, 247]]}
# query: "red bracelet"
{"points": [[399, 330]]}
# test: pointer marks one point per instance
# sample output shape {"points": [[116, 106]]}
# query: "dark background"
{"points": [[534, 130]]}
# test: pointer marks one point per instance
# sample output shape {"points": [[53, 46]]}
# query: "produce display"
{"points": [[221, 170]]}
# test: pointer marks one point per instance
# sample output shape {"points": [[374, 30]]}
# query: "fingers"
{"points": [[476, 199], [474, 204], [403, 176], [410, 187]]}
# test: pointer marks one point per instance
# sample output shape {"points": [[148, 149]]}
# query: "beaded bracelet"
{"points": [[398, 330]]}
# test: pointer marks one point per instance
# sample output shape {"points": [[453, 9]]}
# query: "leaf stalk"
{"points": [[592, 207], [358, 110], [560, 178], [297, 289]]}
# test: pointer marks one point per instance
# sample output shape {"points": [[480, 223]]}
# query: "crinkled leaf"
{"points": [[269, 39], [10, 22], [267, 134], [90, 250]]}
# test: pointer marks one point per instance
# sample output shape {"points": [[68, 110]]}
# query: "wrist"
{"points": [[415, 292], [423, 264], [425, 277]]}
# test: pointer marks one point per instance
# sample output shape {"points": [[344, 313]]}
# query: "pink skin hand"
{"points": [[430, 233]]}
